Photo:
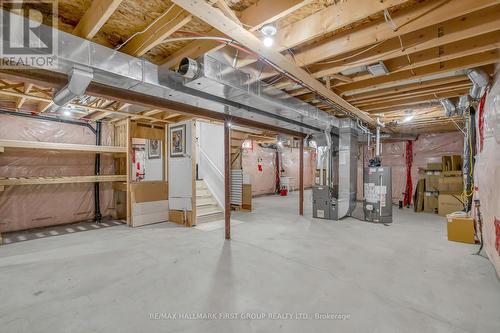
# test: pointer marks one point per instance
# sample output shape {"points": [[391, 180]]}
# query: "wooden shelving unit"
{"points": [[17, 181], [10, 145]]}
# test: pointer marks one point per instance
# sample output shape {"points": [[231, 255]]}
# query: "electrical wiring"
{"points": [[118, 47], [351, 56]]}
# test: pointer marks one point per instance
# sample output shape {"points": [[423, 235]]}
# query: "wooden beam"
{"points": [[95, 17], [224, 7], [20, 181], [171, 21], [416, 93], [463, 27], [325, 21], [406, 88], [451, 51], [37, 145], [21, 100], [216, 19], [255, 16], [475, 60], [407, 20], [415, 100], [55, 80]]}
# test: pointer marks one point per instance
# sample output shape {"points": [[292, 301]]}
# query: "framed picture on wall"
{"points": [[178, 141], [154, 149]]}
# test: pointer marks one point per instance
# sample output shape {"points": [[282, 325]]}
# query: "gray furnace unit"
{"points": [[377, 204], [334, 192]]}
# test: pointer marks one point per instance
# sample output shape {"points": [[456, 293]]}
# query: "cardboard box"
{"points": [[247, 197], [452, 163], [431, 202], [418, 204], [446, 163], [434, 167], [449, 203], [450, 185], [456, 163], [432, 181], [461, 229]]}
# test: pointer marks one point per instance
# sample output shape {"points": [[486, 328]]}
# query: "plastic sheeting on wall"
{"points": [[263, 182], [428, 148], [32, 206], [487, 175]]}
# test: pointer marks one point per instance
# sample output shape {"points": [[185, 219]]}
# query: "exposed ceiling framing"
{"points": [[323, 47]]}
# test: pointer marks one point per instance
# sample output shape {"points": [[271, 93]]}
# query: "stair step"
{"points": [[205, 201], [200, 184], [209, 218], [202, 193], [208, 210]]}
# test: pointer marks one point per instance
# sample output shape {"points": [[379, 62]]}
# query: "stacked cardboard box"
{"points": [[450, 185], [443, 187], [432, 175]]}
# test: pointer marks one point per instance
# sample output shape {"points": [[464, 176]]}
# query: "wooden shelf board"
{"points": [[16, 144], [17, 181]]}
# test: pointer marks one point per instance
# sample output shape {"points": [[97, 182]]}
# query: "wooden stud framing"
{"points": [[172, 21], [255, 16], [95, 17]]}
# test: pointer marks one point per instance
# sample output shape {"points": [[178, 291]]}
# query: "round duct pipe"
{"points": [[449, 107], [189, 68], [463, 104], [476, 92], [479, 77]]}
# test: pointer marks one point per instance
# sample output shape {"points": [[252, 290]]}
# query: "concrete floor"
{"points": [[401, 278]]}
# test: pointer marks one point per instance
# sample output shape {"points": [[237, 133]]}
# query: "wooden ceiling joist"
{"points": [[416, 93], [169, 22], [407, 102], [452, 31], [431, 84], [216, 19], [325, 21], [471, 61], [408, 20], [95, 17], [255, 16]]}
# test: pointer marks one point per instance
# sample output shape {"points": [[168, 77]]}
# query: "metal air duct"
{"points": [[210, 76], [119, 70]]}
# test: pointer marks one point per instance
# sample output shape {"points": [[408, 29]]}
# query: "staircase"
{"points": [[207, 208]]}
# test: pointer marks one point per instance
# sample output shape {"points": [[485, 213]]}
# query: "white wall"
{"points": [[153, 167], [211, 147], [180, 172]]}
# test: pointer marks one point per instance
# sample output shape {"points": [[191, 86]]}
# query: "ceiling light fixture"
{"points": [[268, 41], [67, 113], [268, 30]]}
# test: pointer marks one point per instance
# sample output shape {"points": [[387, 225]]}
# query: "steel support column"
{"points": [[227, 179], [301, 177]]}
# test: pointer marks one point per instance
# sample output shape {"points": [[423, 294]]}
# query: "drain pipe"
{"points": [[377, 148], [97, 198]]}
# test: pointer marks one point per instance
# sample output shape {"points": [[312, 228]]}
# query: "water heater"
{"points": [[377, 203]]}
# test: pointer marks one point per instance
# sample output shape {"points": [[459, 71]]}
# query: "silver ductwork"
{"points": [[216, 78], [123, 71], [334, 193], [79, 79]]}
